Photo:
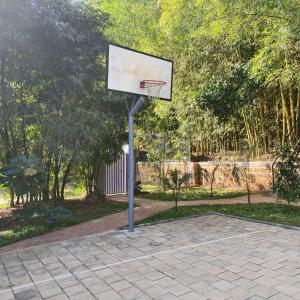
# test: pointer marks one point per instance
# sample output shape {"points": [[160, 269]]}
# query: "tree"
{"points": [[209, 176], [174, 181], [52, 98], [24, 177], [241, 172], [236, 60]]}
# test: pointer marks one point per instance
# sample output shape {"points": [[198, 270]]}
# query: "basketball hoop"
{"points": [[153, 87]]}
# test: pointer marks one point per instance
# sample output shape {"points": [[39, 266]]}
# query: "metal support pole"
{"points": [[136, 105], [131, 175]]}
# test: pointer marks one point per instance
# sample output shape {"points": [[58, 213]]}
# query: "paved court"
{"points": [[208, 257]]}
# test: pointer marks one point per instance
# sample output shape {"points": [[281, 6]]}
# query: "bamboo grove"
{"points": [[236, 70]]}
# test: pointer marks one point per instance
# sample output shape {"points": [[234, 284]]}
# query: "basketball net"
{"points": [[153, 87]]}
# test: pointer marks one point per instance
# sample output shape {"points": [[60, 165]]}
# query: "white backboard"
{"points": [[126, 68]]}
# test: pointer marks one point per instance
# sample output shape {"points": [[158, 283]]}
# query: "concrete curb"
{"points": [[218, 214], [258, 221]]}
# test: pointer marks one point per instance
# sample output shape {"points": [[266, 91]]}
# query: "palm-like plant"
{"points": [[209, 176], [174, 180]]}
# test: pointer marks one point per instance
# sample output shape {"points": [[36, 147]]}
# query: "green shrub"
{"points": [[287, 179], [23, 176], [50, 215]]}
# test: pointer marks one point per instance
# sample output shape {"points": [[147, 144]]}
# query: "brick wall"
{"points": [[261, 173]]}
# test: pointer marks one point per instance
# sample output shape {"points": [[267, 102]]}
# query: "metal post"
{"points": [[136, 105], [131, 176]]}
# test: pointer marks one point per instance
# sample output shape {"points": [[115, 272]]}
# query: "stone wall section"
{"points": [[261, 173]]}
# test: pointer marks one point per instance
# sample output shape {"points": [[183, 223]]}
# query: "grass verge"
{"points": [[276, 213], [15, 227], [194, 194]]}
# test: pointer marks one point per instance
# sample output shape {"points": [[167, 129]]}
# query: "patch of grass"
{"points": [[195, 194], [4, 197], [4, 204], [277, 213], [15, 227], [150, 188], [74, 191]]}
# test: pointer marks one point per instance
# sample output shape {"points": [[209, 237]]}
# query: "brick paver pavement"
{"points": [[145, 209], [208, 257]]}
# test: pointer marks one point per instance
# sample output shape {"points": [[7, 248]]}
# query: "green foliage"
{"points": [[51, 215], [241, 171], [287, 178], [18, 226], [188, 194], [53, 102], [24, 176], [174, 180], [138, 187], [209, 176], [227, 95], [236, 70]]}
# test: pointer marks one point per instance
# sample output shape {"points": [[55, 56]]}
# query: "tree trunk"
{"points": [[12, 198], [297, 112], [292, 112], [285, 111], [176, 200], [48, 174], [248, 187], [55, 190], [4, 131], [65, 179]]}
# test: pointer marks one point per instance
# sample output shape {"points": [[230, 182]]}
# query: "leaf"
{"points": [[236, 173]]}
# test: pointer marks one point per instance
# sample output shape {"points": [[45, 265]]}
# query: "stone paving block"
{"points": [[67, 282], [144, 283], [93, 280], [178, 289], [194, 272], [281, 296], [48, 289], [235, 269], [121, 285], [84, 274], [39, 274], [215, 294], [288, 289], [109, 295], [165, 282], [267, 281], [201, 287], [131, 293], [229, 276], [154, 275], [74, 290], [58, 297], [28, 293], [223, 285], [7, 295], [252, 267], [251, 275], [155, 291], [83, 296], [192, 296], [239, 293], [114, 278], [59, 271], [263, 291]]}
